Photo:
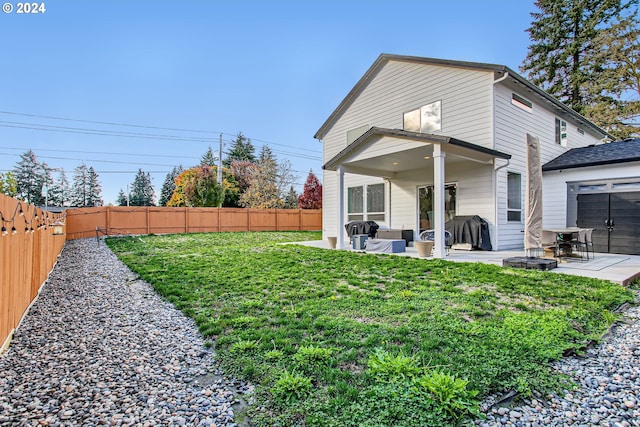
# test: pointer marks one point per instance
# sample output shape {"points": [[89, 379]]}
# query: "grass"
{"points": [[333, 338]]}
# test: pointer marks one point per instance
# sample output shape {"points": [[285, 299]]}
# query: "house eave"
{"points": [[334, 163]]}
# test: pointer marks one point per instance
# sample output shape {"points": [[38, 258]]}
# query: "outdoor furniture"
{"points": [[389, 246], [585, 241], [406, 235], [361, 227], [471, 230], [567, 242]]}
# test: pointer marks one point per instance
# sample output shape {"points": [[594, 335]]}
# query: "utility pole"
{"points": [[220, 162]]}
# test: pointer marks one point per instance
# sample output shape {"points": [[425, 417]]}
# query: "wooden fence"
{"points": [[115, 220], [28, 252]]}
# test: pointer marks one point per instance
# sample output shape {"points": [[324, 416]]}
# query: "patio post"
{"points": [[340, 233], [439, 250]]}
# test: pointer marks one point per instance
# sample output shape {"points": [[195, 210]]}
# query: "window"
{"points": [[354, 204], [372, 198], [514, 197], [426, 119], [375, 202], [520, 102], [561, 132]]}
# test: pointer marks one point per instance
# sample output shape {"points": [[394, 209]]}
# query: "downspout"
{"points": [[495, 170]]}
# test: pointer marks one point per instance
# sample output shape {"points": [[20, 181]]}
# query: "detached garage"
{"points": [[602, 192]]}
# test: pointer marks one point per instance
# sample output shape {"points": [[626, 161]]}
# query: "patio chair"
{"points": [[431, 235], [586, 241]]}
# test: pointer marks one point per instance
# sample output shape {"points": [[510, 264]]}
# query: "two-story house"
{"points": [[418, 141]]}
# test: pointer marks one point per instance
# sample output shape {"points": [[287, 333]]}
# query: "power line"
{"points": [[172, 156], [142, 127]]}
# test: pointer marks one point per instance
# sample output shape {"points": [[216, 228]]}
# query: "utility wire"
{"points": [[143, 127]]}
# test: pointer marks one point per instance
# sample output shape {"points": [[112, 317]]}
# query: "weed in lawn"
{"points": [[291, 388]]}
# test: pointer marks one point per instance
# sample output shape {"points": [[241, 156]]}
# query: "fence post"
{"points": [[148, 222], [248, 219], [108, 221], [299, 219], [219, 220], [186, 220]]}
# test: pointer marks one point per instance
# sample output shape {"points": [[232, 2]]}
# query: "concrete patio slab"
{"points": [[622, 269]]}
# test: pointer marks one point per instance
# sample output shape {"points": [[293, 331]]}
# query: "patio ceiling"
{"points": [[386, 152]]}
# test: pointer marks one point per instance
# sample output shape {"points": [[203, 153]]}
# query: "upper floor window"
{"points": [[520, 102], [426, 119], [561, 132]]}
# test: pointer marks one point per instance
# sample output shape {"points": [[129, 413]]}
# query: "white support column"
{"points": [[439, 250], [340, 231]]}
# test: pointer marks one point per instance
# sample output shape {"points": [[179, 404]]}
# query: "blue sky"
{"points": [[273, 70]]}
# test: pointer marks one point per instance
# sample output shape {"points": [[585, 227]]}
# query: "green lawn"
{"points": [[335, 338]]}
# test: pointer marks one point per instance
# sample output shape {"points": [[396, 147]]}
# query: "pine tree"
{"points": [[208, 158], [241, 149], [291, 199], [169, 185], [59, 192], [80, 187], [616, 87], [142, 193], [311, 197], [122, 199], [94, 193], [560, 59], [29, 179]]}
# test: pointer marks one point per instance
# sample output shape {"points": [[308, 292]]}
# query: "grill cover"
{"points": [[361, 227]]}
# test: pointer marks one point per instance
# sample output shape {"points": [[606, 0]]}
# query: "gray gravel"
{"points": [[99, 347], [608, 386]]}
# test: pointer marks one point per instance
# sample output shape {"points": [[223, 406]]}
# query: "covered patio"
{"points": [[394, 154]]}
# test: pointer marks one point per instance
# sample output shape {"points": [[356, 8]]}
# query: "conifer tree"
{"points": [[208, 158], [60, 192], [80, 186], [30, 178], [122, 199], [169, 185], [561, 58], [241, 149], [94, 190], [142, 193], [291, 199]]}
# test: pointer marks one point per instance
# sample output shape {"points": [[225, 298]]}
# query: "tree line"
{"points": [[33, 182], [248, 180]]}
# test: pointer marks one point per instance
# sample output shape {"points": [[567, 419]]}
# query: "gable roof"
{"points": [[594, 155], [500, 70]]}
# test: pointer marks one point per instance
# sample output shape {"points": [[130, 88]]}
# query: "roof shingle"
{"points": [[594, 155]]}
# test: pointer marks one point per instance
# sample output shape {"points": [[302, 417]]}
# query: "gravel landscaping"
{"points": [[99, 347], [608, 380]]}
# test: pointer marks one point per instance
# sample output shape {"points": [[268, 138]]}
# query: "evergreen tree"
{"points": [[169, 185], [562, 54], [291, 199], [94, 193], [122, 199], [241, 149], [208, 158], [311, 197], [142, 193], [616, 87], [80, 187], [30, 178], [59, 191]]}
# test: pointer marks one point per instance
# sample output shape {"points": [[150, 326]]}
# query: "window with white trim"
{"points": [[514, 197], [371, 197], [561, 132]]}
